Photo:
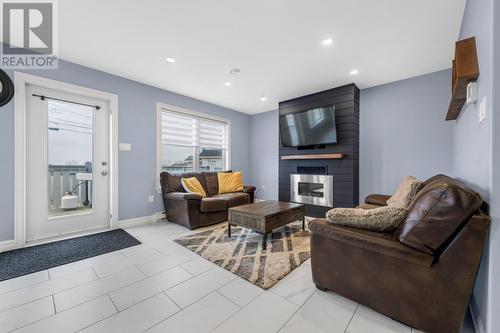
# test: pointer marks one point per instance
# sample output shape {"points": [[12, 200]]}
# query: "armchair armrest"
{"points": [[379, 242], [182, 196], [377, 199]]}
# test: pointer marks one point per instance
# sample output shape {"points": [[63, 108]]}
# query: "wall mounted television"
{"points": [[308, 128]]}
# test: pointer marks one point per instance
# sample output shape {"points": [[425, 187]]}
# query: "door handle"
{"points": [[104, 173]]}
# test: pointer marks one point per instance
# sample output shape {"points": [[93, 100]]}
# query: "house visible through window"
{"points": [[192, 142]]}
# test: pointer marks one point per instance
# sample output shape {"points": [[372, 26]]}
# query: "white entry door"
{"points": [[67, 184]]}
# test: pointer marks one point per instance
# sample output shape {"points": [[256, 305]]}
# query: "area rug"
{"points": [[40, 257], [242, 253]]}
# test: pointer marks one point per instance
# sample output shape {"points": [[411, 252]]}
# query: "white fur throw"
{"points": [[406, 192], [384, 219]]}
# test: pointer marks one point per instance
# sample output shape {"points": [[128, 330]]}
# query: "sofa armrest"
{"points": [[379, 242], [182, 196], [250, 190], [377, 199]]}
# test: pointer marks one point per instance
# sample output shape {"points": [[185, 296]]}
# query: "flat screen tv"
{"points": [[309, 128]]}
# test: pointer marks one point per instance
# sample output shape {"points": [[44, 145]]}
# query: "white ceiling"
{"points": [[276, 44]]}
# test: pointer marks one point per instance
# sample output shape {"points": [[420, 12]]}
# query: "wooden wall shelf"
{"points": [[465, 69], [313, 157]]}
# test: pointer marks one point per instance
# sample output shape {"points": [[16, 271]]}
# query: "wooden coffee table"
{"points": [[264, 216]]}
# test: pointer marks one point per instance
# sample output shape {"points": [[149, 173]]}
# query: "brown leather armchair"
{"points": [[423, 273], [193, 211]]}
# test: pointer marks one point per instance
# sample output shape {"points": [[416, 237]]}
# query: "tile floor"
{"points": [[159, 286]]}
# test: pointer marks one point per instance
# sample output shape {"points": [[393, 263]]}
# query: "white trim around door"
{"points": [[21, 80]]}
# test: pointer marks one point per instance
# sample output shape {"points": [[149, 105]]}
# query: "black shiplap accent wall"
{"points": [[345, 171]]}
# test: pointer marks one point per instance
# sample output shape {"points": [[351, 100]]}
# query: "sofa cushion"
{"points": [[182, 196], [193, 185], [171, 181], [406, 192], [212, 182], [230, 182], [438, 211], [213, 204], [234, 199], [384, 219]]}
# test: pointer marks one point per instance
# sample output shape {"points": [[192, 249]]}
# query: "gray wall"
{"points": [[403, 132], [475, 150], [264, 154], [472, 140], [137, 117], [494, 245]]}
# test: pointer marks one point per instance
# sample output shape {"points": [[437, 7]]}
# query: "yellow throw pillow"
{"points": [[230, 182], [193, 185]]}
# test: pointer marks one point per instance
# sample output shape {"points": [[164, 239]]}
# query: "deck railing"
{"points": [[62, 179]]}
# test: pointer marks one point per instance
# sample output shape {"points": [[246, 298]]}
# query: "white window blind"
{"points": [[185, 130]]}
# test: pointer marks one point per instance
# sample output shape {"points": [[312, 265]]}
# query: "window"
{"points": [[192, 141]]}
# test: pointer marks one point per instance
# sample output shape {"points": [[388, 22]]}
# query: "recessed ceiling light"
{"points": [[227, 84], [234, 71], [263, 98], [170, 60], [354, 72], [327, 41]]}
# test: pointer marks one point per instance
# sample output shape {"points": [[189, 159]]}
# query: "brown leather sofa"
{"points": [[193, 211], [423, 273]]}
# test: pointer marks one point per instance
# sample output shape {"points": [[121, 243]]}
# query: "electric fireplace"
{"points": [[312, 189]]}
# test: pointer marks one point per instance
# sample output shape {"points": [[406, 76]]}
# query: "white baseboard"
{"points": [[7, 245], [476, 317], [140, 220], [161, 215]]}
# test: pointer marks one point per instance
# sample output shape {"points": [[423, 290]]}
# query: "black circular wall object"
{"points": [[7, 88]]}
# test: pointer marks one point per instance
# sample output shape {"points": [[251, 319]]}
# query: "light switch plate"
{"points": [[471, 93], [151, 198], [125, 146], [482, 110]]}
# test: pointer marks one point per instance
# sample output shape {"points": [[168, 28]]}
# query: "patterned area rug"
{"points": [[242, 253]]}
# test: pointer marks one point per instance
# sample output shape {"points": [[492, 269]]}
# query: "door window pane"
{"points": [[70, 136]]}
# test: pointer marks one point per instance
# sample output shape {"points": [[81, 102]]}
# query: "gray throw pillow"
{"points": [[406, 192], [383, 219]]}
